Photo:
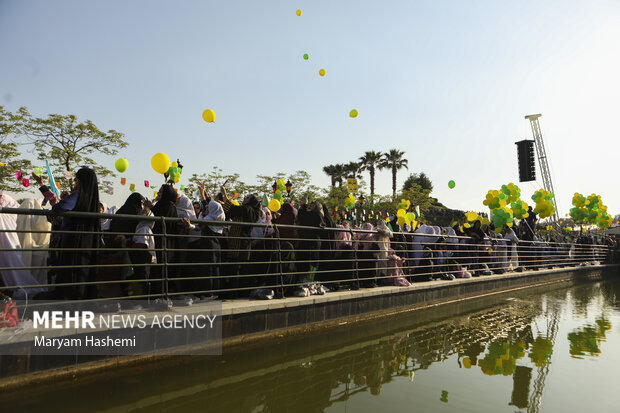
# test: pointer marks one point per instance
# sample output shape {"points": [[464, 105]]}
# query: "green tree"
{"points": [[213, 180], [369, 162], [332, 172], [10, 127], [394, 161], [353, 170], [300, 181], [420, 179], [68, 143]]}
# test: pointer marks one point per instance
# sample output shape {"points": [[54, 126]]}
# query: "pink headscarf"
{"points": [[344, 237], [364, 239]]}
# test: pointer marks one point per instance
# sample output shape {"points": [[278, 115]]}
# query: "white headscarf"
{"points": [[216, 213], [12, 258], [259, 232], [34, 240], [451, 238], [185, 208]]}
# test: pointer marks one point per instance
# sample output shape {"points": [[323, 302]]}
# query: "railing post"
{"points": [[164, 255], [357, 269], [280, 272]]}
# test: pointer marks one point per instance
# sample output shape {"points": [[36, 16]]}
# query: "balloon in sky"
{"points": [[353, 113], [322, 72], [123, 181], [306, 57], [451, 184], [121, 165], [160, 163], [298, 12], [208, 115]]}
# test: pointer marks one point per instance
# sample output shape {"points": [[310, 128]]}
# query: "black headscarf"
{"points": [[165, 207], [85, 237], [88, 199], [132, 206], [247, 212]]}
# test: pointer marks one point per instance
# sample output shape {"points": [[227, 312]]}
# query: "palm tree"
{"points": [[339, 173], [394, 161], [331, 171], [353, 169], [370, 162]]}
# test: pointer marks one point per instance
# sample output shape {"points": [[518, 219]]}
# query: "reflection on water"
{"points": [[523, 352], [587, 339]]}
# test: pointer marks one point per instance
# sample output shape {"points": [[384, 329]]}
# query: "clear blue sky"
{"points": [[449, 82]]}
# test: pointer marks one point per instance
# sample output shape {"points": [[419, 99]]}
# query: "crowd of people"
{"points": [[215, 247]]}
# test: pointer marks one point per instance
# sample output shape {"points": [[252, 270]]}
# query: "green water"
{"points": [[550, 350]]}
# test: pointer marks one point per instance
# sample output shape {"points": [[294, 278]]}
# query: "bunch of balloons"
{"points": [[544, 203], [590, 210], [512, 192], [495, 199], [501, 216], [174, 172], [404, 204], [405, 217], [519, 209], [280, 188], [349, 203]]}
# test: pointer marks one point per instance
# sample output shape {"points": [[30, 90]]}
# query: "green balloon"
{"points": [[306, 57], [451, 184]]}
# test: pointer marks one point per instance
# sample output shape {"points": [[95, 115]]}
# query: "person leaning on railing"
{"points": [[82, 238]]}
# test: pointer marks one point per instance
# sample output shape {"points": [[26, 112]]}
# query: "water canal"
{"points": [[552, 349]]}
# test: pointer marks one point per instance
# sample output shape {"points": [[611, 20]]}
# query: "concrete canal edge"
{"points": [[247, 323]]}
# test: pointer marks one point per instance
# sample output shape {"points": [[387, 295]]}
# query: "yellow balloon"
{"points": [[322, 72], [401, 220], [236, 203], [208, 116], [160, 163], [175, 164], [298, 12], [121, 165], [401, 213], [274, 205]]}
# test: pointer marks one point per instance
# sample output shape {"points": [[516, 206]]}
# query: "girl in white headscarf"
{"points": [[12, 258], [215, 213], [38, 240]]}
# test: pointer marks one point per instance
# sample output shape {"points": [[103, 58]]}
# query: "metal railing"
{"points": [[281, 260]]}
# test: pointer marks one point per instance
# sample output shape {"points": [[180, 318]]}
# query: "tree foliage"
{"points": [[370, 162], [394, 161], [10, 127], [67, 143], [421, 179]]}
